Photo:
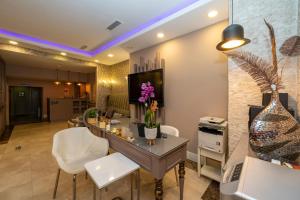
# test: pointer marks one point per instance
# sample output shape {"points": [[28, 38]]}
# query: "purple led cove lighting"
{"points": [[43, 42], [182, 5], [127, 35]]}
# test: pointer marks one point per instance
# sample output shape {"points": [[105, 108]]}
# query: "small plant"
{"points": [[147, 98], [92, 114]]}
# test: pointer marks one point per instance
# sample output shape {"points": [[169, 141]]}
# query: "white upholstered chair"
{"points": [[170, 130], [72, 148]]}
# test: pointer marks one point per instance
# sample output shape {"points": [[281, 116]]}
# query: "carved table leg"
{"points": [[159, 189], [181, 172]]}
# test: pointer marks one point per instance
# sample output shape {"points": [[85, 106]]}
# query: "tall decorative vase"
{"points": [[274, 133]]}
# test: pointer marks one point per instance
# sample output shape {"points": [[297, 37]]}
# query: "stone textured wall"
{"points": [[284, 16]]}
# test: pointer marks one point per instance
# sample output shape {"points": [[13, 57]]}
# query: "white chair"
{"points": [[72, 148], [170, 130]]}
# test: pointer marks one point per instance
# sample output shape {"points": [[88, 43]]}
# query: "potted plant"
{"points": [[92, 117], [151, 128]]}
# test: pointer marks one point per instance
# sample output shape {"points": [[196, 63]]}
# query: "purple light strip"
{"points": [[129, 34], [107, 45], [43, 42]]}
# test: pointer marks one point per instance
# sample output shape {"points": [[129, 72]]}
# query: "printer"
{"points": [[212, 134]]}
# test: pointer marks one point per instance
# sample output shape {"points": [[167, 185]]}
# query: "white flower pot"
{"points": [[91, 120], [150, 133]]}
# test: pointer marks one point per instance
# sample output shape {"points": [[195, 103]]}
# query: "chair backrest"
{"points": [[72, 142], [170, 130]]}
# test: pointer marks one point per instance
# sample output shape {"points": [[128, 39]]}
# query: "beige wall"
{"points": [[284, 16], [195, 79]]}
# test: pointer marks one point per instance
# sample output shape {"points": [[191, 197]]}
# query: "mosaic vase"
{"points": [[274, 133]]}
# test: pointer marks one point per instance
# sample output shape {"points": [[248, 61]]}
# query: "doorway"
{"points": [[25, 104]]}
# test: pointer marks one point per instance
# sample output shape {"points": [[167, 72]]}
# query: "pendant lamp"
{"points": [[233, 36], [68, 83], [79, 83], [57, 82]]}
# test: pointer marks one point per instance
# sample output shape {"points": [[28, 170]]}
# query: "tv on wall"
{"points": [[155, 77]]}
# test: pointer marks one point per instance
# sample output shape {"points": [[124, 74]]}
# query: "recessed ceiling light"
{"points": [[212, 13], [63, 53], [13, 42], [160, 35], [96, 61], [110, 55]]}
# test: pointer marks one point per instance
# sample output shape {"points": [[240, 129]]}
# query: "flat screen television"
{"points": [[155, 77]]}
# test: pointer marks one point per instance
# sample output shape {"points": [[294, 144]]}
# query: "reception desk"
{"points": [[157, 159], [60, 109]]}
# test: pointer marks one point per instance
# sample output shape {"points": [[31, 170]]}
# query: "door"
{"points": [[25, 104]]}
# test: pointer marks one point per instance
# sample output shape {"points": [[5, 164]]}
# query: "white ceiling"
{"points": [[83, 22], [24, 60], [78, 22]]}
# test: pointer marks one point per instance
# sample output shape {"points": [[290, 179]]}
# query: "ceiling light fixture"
{"points": [[13, 42], [212, 13], [160, 35], [110, 55], [57, 82], [233, 36], [68, 83], [63, 53], [79, 83]]}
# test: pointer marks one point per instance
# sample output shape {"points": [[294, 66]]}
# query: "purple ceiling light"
{"points": [[142, 27], [117, 40], [43, 42]]}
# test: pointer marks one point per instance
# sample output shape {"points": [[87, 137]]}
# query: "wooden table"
{"points": [[158, 159]]}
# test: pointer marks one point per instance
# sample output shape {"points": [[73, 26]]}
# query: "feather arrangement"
{"points": [[260, 70], [264, 73], [291, 47]]}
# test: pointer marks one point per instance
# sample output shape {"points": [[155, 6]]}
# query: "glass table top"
{"points": [[162, 145]]}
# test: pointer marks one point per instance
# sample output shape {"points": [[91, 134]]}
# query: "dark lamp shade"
{"points": [[233, 37]]}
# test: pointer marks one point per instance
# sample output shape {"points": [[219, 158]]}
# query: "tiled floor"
{"points": [[30, 173]]}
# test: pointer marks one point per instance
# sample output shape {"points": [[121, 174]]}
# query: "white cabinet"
{"points": [[212, 144], [207, 170]]}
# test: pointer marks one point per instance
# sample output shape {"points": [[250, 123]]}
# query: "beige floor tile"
{"points": [[30, 173], [20, 192]]}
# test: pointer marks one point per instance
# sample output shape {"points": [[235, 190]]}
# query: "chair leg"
{"points": [[138, 184], [131, 187], [176, 175], [100, 194], [56, 183], [94, 192], [86, 175], [74, 187]]}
